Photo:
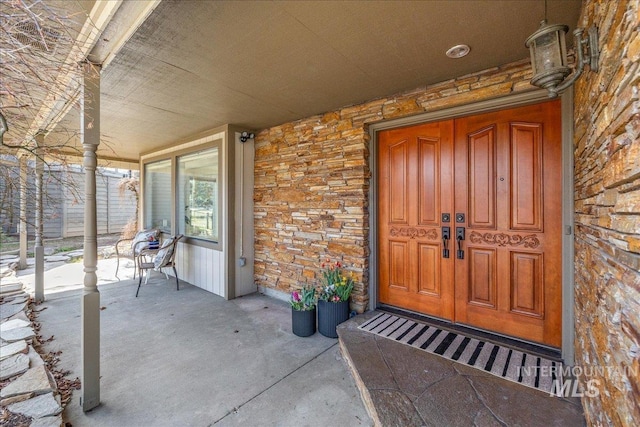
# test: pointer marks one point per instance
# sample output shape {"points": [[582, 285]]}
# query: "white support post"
{"points": [[90, 130], [22, 230], [38, 249]]}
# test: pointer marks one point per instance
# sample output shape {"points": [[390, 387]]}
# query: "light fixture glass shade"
{"points": [[548, 55]]}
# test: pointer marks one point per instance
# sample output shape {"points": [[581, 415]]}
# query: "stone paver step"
{"points": [[55, 421], [56, 258], [14, 365], [10, 309], [44, 405], [12, 349], [17, 334], [9, 286], [36, 380], [13, 324]]}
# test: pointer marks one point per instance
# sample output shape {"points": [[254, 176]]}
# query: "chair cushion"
{"points": [[164, 254], [144, 236]]}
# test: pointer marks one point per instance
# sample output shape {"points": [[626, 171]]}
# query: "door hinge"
{"points": [[569, 230]]}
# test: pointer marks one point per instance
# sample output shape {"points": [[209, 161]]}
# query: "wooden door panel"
{"points": [[398, 156], [482, 201], [482, 277], [527, 183], [415, 170], [398, 268], [526, 159], [429, 277], [527, 287], [429, 181]]}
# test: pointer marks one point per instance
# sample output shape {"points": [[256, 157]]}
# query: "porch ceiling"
{"points": [[195, 65]]}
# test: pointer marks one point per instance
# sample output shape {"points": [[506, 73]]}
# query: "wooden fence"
{"points": [[63, 200]]}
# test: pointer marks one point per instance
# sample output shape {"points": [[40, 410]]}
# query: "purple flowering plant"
{"points": [[304, 299]]}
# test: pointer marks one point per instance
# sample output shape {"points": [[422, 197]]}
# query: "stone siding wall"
{"points": [[607, 186], [312, 180]]}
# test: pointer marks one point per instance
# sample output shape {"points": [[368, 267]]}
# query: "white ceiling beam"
{"points": [[100, 20], [137, 13], [66, 86]]}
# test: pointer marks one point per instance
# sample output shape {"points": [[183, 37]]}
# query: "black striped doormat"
{"points": [[523, 368]]}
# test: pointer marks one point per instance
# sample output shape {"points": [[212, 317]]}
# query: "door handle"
{"points": [[460, 238], [446, 236]]}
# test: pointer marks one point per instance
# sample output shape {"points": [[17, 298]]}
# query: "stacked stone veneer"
{"points": [[312, 180], [607, 185]]}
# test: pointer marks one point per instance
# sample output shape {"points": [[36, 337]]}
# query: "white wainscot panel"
{"points": [[202, 267]]}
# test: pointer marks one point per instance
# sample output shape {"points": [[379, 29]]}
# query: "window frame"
{"points": [[144, 193], [217, 147], [215, 142]]}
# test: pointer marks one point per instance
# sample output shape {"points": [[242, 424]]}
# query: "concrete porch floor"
{"points": [[190, 358], [404, 386]]}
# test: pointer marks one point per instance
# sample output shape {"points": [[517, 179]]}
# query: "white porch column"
{"points": [[22, 229], [90, 132], [38, 249]]}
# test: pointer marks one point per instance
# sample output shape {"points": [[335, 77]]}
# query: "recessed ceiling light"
{"points": [[458, 51]]}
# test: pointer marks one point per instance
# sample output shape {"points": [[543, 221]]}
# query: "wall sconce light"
{"points": [[549, 56], [244, 136]]}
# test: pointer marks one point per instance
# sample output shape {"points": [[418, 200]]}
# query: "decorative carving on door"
{"points": [[412, 233], [529, 241]]}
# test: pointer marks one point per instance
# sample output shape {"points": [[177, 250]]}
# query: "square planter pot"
{"points": [[303, 322], [330, 315]]}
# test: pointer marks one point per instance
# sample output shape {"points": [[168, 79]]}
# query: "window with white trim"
{"points": [[157, 195], [197, 184]]}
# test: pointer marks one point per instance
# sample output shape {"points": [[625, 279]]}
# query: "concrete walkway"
{"points": [[191, 358]]}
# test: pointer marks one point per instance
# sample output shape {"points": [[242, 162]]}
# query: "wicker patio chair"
{"points": [[163, 258], [130, 248]]}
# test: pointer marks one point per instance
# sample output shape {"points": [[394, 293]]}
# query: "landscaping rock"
{"points": [[16, 299], [19, 315], [13, 366], [13, 324], [10, 287], [34, 358], [11, 282], [9, 400], [8, 258], [7, 310], [47, 422], [35, 380], [7, 271], [44, 405], [17, 334], [12, 349], [56, 258]]}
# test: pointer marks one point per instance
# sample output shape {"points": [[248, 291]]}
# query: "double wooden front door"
{"points": [[497, 178]]}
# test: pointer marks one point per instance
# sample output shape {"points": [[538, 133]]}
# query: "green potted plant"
{"points": [[303, 311], [333, 302]]}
